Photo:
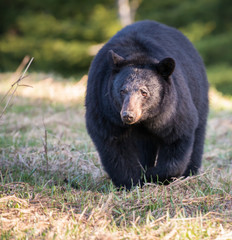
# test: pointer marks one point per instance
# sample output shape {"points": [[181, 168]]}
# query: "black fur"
{"points": [[158, 69]]}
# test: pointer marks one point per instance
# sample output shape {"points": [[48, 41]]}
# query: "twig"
{"points": [[10, 90], [22, 76], [12, 86]]}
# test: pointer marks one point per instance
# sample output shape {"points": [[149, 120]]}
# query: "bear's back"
{"points": [[154, 39]]}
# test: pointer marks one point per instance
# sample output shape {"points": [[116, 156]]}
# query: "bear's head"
{"points": [[138, 85]]}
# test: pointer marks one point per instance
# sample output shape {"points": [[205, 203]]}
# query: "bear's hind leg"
{"points": [[196, 157], [172, 160]]}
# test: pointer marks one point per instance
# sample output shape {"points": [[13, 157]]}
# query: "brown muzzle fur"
{"points": [[131, 110]]}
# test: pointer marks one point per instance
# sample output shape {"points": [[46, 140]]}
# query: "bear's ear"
{"points": [[114, 59], [166, 67]]}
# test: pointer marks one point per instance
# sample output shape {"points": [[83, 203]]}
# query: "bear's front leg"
{"points": [[172, 160], [121, 162]]}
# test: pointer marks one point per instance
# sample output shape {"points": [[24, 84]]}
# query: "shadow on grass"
{"points": [[225, 87], [220, 77]]}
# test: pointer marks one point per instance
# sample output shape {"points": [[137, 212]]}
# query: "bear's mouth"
{"points": [[129, 117], [129, 122]]}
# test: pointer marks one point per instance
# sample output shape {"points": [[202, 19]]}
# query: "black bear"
{"points": [[147, 105]]}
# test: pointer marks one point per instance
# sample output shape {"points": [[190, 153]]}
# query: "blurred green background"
{"points": [[63, 36]]}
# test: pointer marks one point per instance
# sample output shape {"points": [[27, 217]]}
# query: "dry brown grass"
{"points": [[45, 216], [47, 88]]}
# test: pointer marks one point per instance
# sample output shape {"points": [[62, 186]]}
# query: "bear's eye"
{"points": [[122, 91], [144, 93]]}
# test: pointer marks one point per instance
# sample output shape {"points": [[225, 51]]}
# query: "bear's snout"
{"points": [[128, 117], [131, 110]]}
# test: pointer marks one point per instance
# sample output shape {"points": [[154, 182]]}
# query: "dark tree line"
{"points": [[64, 35]]}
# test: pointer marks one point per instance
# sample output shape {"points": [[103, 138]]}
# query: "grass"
{"points": [[52, 185]]}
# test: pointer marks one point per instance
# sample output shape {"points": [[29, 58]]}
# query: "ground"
{"points": [[52, 185]]}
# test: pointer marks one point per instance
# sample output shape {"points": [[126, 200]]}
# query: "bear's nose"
{"points": [[128, 117]]}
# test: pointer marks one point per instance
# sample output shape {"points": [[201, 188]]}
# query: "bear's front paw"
{"points": [[152, 175], [157, 176]]}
